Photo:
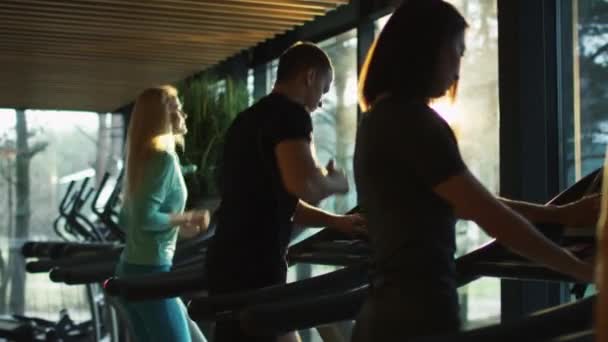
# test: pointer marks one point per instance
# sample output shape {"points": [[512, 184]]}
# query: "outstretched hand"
{"points": [[581, 213], [586, 272], [353, 225]]}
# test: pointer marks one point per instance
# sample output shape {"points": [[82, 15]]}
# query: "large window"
{"points": [[474, 119], [335, 123], [585, 115], [59, 147]]}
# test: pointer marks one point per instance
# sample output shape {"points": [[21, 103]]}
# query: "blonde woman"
{"points": [[153, 210]]}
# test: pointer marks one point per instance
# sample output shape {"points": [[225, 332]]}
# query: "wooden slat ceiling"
{"points": [[98, 54]]}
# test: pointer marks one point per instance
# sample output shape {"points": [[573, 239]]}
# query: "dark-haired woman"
{"points": [[413, 184]]}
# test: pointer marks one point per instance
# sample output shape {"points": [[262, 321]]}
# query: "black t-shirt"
{"points": [[403, 150], [255, 215]]}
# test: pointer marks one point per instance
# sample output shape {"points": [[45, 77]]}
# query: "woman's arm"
{"points": [[583, 212], [533, 212], [472, 201], [158, 181]]}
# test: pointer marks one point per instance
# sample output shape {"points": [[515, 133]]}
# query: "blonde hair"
{"points": [[150, 131]]}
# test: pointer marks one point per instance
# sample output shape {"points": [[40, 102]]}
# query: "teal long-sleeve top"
{"points": [[145, 214]]}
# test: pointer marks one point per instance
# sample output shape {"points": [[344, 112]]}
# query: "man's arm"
{"points": [[301, 174], [308, 215]]}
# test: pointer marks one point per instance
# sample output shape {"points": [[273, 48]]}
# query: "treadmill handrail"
{"points": [[541, 325], [336, 281], [284, 316], [159, 285]]}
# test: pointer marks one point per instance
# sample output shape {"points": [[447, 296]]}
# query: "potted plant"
{"points": [[211, 104]]}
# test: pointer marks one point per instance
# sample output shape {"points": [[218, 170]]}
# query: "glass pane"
{"points": [[218, 88], [586, 123], [335, 123], [250, 86], [61, 147], [379, 24], [475, 121], [271, 74]]}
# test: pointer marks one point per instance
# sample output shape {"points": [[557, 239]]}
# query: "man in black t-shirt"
{"points": [[268, 177]]}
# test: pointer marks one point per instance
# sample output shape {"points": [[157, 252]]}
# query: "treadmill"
{"points": [[489, 260], [338, 295]]}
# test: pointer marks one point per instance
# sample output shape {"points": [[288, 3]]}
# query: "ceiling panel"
{"points": [[98, 55]]}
